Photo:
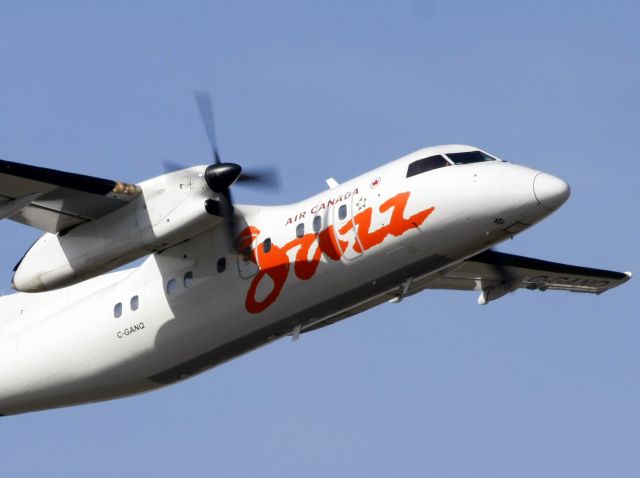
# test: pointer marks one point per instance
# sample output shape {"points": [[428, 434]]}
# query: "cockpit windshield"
{"points": [[426, 164], [470, 157]]}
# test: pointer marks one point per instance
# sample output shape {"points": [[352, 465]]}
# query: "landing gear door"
{"points": [[345, 228]]}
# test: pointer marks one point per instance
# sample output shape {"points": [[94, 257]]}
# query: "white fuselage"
{"points": [[192, 312]]}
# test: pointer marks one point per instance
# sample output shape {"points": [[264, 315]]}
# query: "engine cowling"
{"points": [[170, 210]]}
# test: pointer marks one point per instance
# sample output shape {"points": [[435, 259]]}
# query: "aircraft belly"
{"points": [[279, 324]]}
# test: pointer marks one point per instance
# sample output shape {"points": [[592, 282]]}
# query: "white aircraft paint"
{"points": [[65, 347]]}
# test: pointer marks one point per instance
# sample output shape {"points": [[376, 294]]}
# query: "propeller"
{"points": [[221, 176], [205, 107]]}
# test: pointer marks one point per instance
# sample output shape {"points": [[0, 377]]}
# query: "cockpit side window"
{"points": [[426, 164], [470, 157]]}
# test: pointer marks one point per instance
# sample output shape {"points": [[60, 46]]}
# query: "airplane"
{"points": [[221, 279]]}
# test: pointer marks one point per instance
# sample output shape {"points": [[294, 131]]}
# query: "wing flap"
{"points": [[58, 200], [8, 207], [492, 269]]}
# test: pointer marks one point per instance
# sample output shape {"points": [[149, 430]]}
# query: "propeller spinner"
{"points": [[221, 176]]}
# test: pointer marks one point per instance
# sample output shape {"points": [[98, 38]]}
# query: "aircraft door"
{"points": [[246, 267], [344, 227], [247, 262]]}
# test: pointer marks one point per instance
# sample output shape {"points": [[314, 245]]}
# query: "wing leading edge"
{"points": [[495, 274], [55, 201]]}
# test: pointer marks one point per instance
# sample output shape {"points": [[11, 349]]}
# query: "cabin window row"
{"points": [[187, 279], [134, 304], [172, 284], [316, 226]]}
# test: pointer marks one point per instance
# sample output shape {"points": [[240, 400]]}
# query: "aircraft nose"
{"points": [[550, 191]]}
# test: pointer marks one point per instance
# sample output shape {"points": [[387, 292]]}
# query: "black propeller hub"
{"points": [[221, 176]]}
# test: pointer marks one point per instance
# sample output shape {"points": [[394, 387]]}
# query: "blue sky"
{"points": [[532, 385]]}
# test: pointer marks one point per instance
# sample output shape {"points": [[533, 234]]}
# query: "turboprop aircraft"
{"points": [[221, 279]]}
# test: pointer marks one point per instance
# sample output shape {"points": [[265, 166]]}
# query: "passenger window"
{"points": [[317, 224], [135, 302], [300, 230], [427, 164], [470, 157], [117, 310], [266, 245], [172, 286], [188, 279], [342, 212], [222, 264]]}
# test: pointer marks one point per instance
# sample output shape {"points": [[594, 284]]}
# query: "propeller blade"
{"points": [[265, 178], [205, 107], [221, 176], [228, 213]]}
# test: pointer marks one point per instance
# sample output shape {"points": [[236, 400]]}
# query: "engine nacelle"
{"points": [[169, 210]]}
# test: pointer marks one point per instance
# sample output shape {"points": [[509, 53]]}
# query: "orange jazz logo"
{"points": [[276, 265]]}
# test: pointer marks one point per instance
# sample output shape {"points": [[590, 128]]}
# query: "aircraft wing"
{"points": [[495, 274], [55, 201]]}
